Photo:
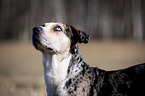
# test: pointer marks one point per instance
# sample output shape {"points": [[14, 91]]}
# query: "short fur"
{"points": [[66, 73]]}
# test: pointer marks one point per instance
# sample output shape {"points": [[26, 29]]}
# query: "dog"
{"points": [[66, 73]]}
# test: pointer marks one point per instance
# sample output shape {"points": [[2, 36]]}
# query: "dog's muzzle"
{"points": [[37, 31], [35, 36]]}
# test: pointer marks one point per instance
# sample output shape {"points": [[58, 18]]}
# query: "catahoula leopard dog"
{"points": [[66, 73]]}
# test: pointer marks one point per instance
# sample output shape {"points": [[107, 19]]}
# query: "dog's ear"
{"points": [[78, 36]]}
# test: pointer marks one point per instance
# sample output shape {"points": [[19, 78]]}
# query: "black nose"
{"points": [[37, 29]]}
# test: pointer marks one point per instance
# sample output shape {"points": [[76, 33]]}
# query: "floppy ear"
{"points": [[78, 36]]}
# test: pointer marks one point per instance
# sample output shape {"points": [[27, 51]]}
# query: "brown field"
{"points": [[21, 71]]}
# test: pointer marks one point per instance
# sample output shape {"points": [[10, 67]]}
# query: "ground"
{"points": [[21, 70]]}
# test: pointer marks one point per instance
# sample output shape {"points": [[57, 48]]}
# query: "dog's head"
{"points": [[57, 37]]}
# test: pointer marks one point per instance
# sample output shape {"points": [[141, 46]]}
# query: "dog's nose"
{"points": [[37, 29]]}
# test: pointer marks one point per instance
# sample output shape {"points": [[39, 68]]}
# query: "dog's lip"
{"points": [[37, 43], [50, 49]]}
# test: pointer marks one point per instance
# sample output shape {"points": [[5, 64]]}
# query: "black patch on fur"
{"points": [[67, 31], [83, 90], [68, 83], [68, 70], [75, 89]]}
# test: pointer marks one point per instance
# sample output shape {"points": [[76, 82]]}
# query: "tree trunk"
{"points": [[137, 20]]}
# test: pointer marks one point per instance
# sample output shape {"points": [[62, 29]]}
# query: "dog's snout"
{"points": [[37, 29]]}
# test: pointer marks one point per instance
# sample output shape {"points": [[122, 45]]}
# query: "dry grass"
{"points": [[113, 55], [21, 71]]}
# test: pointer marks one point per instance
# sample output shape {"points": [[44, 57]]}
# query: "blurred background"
{"points": [[102, 19], [117, 29]]}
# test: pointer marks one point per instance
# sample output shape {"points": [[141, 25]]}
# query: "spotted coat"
{"points": [[83, 80]]}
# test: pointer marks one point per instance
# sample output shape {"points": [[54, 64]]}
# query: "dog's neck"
{"points": [[55, 70], [58, 67]]}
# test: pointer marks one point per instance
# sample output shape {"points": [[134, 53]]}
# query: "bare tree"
{"points": [[107, 31], [59, 10], [137, 20], [92, 17]]}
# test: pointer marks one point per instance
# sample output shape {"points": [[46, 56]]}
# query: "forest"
{"points": [[102, 19]]}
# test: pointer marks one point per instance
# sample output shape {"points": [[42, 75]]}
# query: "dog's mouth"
{"points": [[50, 49], [43, 48], [39, 46], [37, 43]]}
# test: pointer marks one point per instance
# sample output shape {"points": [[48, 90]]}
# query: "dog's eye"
{"points": [[57, 28]]}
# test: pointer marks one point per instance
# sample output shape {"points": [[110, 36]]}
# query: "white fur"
{"points": [[55, 71]]}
